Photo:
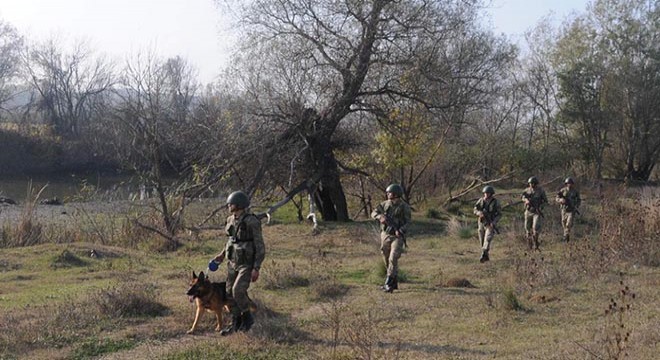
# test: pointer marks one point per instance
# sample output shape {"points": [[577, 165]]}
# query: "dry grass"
{"points": [[318, 296]]}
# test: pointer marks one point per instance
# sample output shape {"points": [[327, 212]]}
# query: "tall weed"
{"points": [[630, 228], [616, 331], [28, 232]]}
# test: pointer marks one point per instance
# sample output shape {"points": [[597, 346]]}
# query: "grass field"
{"points": [[319, 295]]}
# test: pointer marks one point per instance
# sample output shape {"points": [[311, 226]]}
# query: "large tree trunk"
{"points": [[330, 198], [642, 173]]}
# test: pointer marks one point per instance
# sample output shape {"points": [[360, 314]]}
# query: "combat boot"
{"points": [[567, 238], [530, 242], [247, 320], [395, 283], [389, 286], [387, 281], [536, 242], [484, 256], [236, 323]]}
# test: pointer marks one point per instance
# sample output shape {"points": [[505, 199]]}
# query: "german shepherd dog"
{"points": [[209, 296]]}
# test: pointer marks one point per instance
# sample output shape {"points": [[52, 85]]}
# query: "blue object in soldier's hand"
{"points": [[213, 265]]}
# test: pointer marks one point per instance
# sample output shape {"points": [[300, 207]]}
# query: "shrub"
{"points": [[510, 300], [458, 228], [381, 273], [285, 276], [129, 300], [616, 331], [67, 259], [433, 214], [629, 230]]}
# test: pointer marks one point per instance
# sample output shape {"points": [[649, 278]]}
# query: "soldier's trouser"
{"points": [[567, 221], [485, 236], [533, 222], [238, 282], [391, 247]]}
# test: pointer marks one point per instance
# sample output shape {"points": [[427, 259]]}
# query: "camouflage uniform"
{"points": [[245, 251], [568, 209], [489, 212], [533, 214], [391, 245]]}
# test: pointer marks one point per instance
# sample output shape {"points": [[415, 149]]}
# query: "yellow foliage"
{"points": [[405, 140]]}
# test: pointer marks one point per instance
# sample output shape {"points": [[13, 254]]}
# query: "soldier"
{"points": [[489, 212], [245, 251], [394, 216], [534, 198], [569, 202]]}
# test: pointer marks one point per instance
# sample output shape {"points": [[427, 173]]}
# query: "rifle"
{"points": [[391, 228], [488, 220], [532, 203], [569, 205]]}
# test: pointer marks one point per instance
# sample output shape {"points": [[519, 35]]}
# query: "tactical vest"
{"points": [[240, 247], [571, 197], [396, 212], [535, 197], [488, 208]]}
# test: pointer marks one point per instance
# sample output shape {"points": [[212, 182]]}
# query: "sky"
{"points": [[514, 17], [196, 29]]}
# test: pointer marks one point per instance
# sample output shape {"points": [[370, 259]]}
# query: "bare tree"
{"points": [[538, 83], [10, 46], [154, 103], [67, 83], [307, 67]]}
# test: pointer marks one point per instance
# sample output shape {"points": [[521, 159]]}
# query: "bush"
{"points": [[129, 300], [510, 301], [381, 273], [67, 259], [433, 214], [285, 276], [458, 228]]}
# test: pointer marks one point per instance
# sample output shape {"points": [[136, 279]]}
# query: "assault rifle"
{"points": [[532, 204], [488, 220], [567, 202], [391, 228]]}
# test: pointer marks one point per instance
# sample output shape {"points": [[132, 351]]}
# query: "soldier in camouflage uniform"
{"points": [[394, 215], [569, 202], [245, 251], [489, 212], [534, 198]]}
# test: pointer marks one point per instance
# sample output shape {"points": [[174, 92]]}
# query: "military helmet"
{"points": [[395, 189], [488, 189], [569, 180], [533, 180], [239, 198]]}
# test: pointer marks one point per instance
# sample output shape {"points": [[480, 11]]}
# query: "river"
{"points": [[71, 187]]}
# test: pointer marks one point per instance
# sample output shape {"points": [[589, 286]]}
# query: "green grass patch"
{"points": [[337, 312], [466, 232], [213, 351], [433, 213], [287, 214], [94, 347], [355, 275], [380, 274]]}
